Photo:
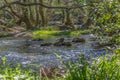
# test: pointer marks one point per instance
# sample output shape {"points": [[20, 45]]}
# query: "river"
{"points": [[29, 53]]}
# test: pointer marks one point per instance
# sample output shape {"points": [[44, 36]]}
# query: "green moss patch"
{"points": [[52, 33]]}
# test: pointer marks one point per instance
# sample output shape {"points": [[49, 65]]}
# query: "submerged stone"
{"points": [[76, 40], [68, 44], [100, 45], [37, 39]]}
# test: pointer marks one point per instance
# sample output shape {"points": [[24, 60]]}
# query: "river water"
{"points": [[30, 53]]}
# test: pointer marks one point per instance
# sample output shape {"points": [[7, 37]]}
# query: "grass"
{"points": [[53, 33], [102, 68]]}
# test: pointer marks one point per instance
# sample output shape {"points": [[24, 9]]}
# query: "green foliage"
{"points": [[107, 68], [103, 68], [10, 72], [117, 51], [106, 17], [78, 70]]}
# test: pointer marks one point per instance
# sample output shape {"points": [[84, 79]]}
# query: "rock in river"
{"points": [[46, 44], [61, 42], [37, 39], [97, 44], [76, 40]]}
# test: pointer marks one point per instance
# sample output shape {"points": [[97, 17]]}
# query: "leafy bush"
{"points": [[102, 68], [106, 17]]}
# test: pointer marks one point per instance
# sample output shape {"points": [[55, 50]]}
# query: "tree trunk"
{"points": [[68, 21], [37, 14], [31, 17], [41, 10], [25, 18]]}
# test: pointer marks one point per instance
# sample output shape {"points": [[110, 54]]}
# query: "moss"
{"points": [[4, 34], [53, 33]]}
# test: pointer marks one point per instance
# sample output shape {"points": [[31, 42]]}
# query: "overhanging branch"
{"points": [[43, 5], [30, 4]]}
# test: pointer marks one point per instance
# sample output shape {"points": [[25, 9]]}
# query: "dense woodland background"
{"points": [[36, 13]]}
